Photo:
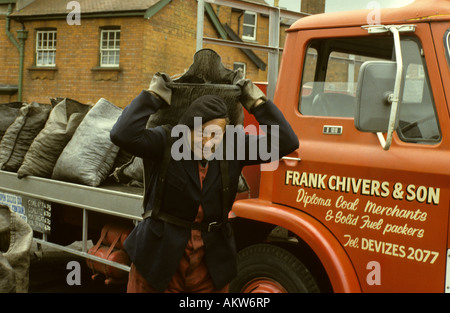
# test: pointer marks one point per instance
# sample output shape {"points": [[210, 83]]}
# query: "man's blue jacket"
{"points": [[156, 247]]}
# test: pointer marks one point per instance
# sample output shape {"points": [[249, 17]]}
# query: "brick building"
{"points": [[113, 47]]}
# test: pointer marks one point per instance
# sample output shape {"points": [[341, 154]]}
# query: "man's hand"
{"points": [[158, 87], [251, 95]]}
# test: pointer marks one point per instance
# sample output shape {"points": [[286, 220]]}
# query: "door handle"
{"points": [[288, 158], [292, 159]]}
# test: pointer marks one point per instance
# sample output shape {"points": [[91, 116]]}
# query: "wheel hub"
{"points": [[263, 285]]}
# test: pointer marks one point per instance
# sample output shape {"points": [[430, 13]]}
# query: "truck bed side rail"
{"points": [[115, 200]]}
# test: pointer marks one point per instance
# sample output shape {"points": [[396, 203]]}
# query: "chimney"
{"points": [[313, 6]]}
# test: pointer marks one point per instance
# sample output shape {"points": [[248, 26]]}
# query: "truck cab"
{"points": [[363, 204]]}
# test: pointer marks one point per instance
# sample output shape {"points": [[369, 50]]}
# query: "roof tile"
{"points": [[53, 7]]}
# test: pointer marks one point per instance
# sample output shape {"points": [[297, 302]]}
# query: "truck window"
{"points": [[329, 79], [418, 119], [330, 76]]}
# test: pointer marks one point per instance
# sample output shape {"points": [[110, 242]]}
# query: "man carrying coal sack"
{"points": [[185, 242]]}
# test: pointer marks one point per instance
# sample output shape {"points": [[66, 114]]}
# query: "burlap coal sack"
{"points": [[8, 114], [130, 173], [15, 244], [206, 76], [89, 156], [46, 148], [7, 277], [19, 136]]}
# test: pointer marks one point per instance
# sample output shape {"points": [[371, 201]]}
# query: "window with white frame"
{"points": [[110, 48], [240, 65], [249, 27], [45, 47]]}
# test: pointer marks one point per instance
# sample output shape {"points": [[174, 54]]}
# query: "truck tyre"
{"points": [[265, 268]]}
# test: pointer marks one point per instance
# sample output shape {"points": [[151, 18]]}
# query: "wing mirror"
{"points": [[374, 96], [379, 88]]}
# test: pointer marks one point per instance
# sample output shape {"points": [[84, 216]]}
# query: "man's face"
{"points": [[204, 140]]}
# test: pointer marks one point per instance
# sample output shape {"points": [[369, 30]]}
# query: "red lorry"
{"points": [[363, 204]]}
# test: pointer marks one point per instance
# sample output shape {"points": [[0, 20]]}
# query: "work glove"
{"points": [[250, 94], [159, 87]]}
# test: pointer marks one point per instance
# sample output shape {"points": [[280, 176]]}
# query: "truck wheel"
{"points": [[265, 268]]}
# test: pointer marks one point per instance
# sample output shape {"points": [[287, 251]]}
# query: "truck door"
{"points": [[388, 209]]}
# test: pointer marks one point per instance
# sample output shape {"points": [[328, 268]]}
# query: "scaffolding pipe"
{"points": [[200, 21]]}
